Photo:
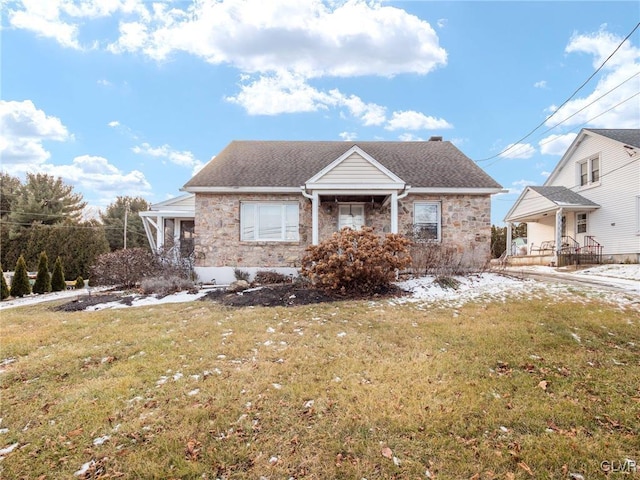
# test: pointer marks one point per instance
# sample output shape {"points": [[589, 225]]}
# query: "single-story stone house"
{"points": [[260, 204]]}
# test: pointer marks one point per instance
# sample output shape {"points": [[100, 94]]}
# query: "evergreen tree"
{"points": [[44, 199], [5, 287], [113, 220], [57, 279], [20, 285], [79, 283], [43, 279]]}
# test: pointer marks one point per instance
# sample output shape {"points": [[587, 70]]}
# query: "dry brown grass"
{"points": [[347, 390]]}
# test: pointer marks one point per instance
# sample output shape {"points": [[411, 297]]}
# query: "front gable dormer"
{"points": [[358, 170]]}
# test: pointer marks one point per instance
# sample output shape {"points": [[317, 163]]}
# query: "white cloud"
{"points": [[519, 186], [518, 150], [289, 93], [96, 174], [348, 136], [23, 129], [545, 173], [104, 82], [182, 158], [411, 120], [556, 144], [114, 123], [409, 137], [318, 38], [540, 84], [308, 38], [442, 22], [617, 109]]}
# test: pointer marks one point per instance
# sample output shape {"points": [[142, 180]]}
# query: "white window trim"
{"points": [[283, 219], [586, 223], [438, 221], [589, 163]]}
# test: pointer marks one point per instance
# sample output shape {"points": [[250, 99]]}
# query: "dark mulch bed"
{"points": [[86, 301], [286, 295], [280, 295]]}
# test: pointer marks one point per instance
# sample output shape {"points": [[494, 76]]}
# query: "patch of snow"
{"points": [[101, 440], [9, 449]]}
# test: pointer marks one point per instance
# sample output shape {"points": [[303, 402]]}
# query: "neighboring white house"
{"points": [[588, 210]]}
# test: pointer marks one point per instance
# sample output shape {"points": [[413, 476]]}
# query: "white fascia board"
{"points": [[345, 187], [355, 149], [243, 189], [351, 191], [168, 213], [173, 200], [457, 191]]}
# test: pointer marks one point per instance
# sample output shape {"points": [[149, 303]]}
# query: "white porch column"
{"points": [[160, 232], [315, 205], [558, 232], [394, 212], [509, 240]]}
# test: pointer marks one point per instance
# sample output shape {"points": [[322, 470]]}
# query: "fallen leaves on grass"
{"points": [[192, 451]]}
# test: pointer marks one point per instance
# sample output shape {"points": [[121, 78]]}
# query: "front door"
{"points": [[351, 215]]}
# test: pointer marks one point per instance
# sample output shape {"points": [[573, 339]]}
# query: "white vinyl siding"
{"points": [[352, 216], [427, 221], [619, 186], [354, 170], [266, 221]]}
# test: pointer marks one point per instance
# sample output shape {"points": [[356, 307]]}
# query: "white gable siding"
{"points": [[531, 203], [613, 225], [354, 170]]}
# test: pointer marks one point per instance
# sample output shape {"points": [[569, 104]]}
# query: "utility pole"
{"points": [[126, 216]]}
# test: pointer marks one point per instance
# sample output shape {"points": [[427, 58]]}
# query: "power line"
{"points": [[578, 185], [566, 101], [577, 112], [585, 123]]}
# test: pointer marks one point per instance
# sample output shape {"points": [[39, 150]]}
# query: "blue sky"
{"points": [[131, 97]]}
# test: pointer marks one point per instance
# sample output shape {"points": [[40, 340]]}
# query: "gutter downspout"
{"points": [[315, 205], [394, 207]]}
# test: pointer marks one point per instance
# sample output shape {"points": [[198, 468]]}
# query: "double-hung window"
{"points": [[589, 171], [269, 221], [427, 221], [581, 223]]}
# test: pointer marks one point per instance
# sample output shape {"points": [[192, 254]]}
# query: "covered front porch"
{"points": [[170, 226], [557, 228]]}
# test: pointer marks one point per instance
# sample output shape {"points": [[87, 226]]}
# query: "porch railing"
{"points": [[571, 253]]}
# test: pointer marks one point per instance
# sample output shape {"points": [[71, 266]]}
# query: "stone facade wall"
{"points": [[466, 225]]}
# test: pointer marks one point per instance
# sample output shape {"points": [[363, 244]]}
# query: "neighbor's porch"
{"points": [[557, 237]]}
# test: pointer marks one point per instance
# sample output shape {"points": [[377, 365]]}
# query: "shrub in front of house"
{"points": [[79, 283], [43, 278], [126, 268], [20, 285], [58, 283], [5, 287], [357, 261], [163, 286], [269, 277]]}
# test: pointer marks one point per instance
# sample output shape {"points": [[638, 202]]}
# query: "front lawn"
{"points": [[347, 390]]}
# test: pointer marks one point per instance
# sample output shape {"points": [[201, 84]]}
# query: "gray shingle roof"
{"points": [[292, 163], [563, 196], [628, 136]]}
